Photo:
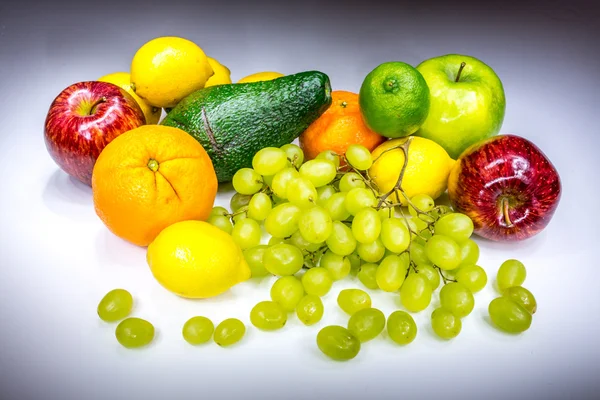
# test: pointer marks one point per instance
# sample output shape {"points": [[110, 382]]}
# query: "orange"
{"points": [[151, 177], [338, 127]]}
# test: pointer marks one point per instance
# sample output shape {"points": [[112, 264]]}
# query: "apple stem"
{"points": [[505, 211], [93, 108], [462, 65]]}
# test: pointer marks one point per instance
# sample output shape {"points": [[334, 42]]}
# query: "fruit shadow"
{"points": [[68, 197], [113, 250]]}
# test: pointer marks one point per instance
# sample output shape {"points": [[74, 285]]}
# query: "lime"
{"points": [[394, 99]]}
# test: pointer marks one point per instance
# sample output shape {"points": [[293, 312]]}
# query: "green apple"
{"points": [[467, 102]]}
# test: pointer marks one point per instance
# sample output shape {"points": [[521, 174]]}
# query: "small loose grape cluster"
{"points": [[513, 311], [133, 332]]}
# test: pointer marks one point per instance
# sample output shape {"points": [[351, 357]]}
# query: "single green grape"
{"points": [[221, 222], [353, 300], [338, 343], [281, 180], [268, 316], [511, 273], [355, 262], [366, 225], [115, 305], [401, 327], [134, 332], [358, 198], [367, 275], [391, 273], [394, 235], [456, 297], [276, 240], [298, 240], [282, 221], [294, 154], [350, 181], [330, 156], [366, 324], [319, 172], [220, 211], [238, 201], [283, 259], [509, 315], [254, 258], [456, 226], [443, 252], [317, 281], [315, 224], [415, 293], [423, 202], [417, 254], [521, 296], [269, 161], [229, 332], [341, 241], [336, 207], [472, 276], [359, 157], [247, 181], [338, 266], [324, 193], [445, 324], [430, 273], [287, 292], [371, 252], [246, 233], [198, 330], [259, 207], [302, 192], [309, 309], [469, 252]]}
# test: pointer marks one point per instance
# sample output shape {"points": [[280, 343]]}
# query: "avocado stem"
{"points": [[505, 211], [462, 65]]}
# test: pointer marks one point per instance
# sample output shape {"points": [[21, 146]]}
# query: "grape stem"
{"points": [[398, 186], [446, 280]]}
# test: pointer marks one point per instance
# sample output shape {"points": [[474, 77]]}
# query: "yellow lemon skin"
{"points": [[194, 259], [222, 75], [261, 76], [166, 69], [123, 80], [426, 172]]}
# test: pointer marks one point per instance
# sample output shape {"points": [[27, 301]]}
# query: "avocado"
{"points": [[234, 121]]}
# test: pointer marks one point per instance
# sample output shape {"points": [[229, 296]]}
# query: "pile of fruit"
{"points": [[357, 198]]}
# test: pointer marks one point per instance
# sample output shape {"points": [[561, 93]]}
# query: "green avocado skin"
{"points": [[234, 121]]}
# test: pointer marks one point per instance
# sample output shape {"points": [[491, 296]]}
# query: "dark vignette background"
{"points": [[546, 53]]}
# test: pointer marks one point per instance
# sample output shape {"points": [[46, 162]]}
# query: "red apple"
{"points": [[83, 119], [507, 186]]}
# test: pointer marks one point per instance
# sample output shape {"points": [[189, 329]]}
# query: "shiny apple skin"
{"points": [[505, 168], [75, 141]]}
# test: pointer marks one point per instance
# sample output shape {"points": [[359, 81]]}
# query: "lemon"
{"points": [[261, 76], [222, 74], [195, 259], [426, 172], [123, 80], [166, 69]]}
